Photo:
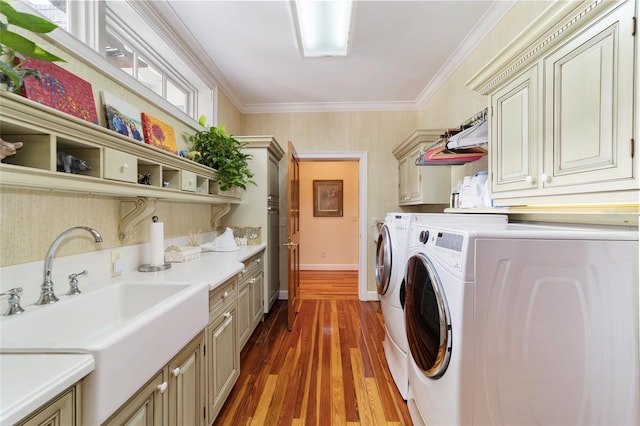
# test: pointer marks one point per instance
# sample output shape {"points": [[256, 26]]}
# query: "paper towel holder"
{"points": [[148, 267]]}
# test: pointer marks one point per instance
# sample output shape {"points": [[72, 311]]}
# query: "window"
{"points": [[144, 66], [55, 11], [127, 37]]}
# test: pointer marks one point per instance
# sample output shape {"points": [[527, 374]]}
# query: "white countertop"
{"points": [[27, 381]]}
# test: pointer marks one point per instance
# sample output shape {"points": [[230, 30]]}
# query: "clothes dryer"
{"points": [[391, 259], [522, 324]]}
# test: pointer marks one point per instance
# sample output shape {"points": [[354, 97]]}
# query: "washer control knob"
{"points": [[424, 236]]}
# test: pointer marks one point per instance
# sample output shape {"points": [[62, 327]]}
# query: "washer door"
{"points": [[383, 260], [427, 317]]}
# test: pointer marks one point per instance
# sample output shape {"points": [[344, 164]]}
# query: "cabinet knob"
{"points": [[545, 178], [225, 295], [124, 167], [227, 314], [252, 280], [190, 182], [162, 387], [530, 180], [175, 371]]}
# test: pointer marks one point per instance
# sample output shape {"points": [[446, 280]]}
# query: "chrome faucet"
{"points": [[46, 295]]}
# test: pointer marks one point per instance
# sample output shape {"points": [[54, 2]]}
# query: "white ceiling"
{"points": [[400, 51]]}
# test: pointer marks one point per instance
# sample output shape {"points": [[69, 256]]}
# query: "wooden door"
{"points": [[293, 233]]}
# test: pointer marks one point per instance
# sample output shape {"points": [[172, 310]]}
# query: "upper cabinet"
{"points": [[421, 184], [561, 107], [115, 163]]}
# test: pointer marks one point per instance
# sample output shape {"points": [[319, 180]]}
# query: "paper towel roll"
{"points": [[156, 243]]}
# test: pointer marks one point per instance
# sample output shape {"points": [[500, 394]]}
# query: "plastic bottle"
{"points": [[478, 188], [465, 200]]}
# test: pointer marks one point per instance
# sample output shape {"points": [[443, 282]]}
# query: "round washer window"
{"points": [[383, 260], [427, 317]]}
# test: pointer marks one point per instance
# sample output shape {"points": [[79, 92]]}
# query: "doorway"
{"points": [[361, 234]]}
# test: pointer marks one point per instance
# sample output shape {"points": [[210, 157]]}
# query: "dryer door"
{"points": [[427, 317], [383, 260]]}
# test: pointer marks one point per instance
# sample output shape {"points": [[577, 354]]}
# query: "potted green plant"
{"points": [[15, 49], [224, 153]]}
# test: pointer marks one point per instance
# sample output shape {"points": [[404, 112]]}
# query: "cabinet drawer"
{"points": [[188, 181], [250, 266], [222, 297], [120, 166]]}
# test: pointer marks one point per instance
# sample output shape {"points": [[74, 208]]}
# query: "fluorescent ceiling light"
{"points": [[323, 26]]}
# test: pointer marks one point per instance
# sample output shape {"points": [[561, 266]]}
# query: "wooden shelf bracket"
{"points": [[143, 208]]}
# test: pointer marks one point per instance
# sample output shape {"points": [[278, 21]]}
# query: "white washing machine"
{"points": [[522, 324], [391, 259]]}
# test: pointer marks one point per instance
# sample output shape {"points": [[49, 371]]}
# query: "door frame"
{"points": [[361, 158]]}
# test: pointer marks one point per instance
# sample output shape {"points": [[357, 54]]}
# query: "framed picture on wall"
{"points": [[327, 198]]}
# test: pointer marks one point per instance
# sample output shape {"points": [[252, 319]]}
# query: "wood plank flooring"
{"points": [[329, 370], [329, 285]]}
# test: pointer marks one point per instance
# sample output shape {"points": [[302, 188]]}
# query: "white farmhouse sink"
{"points": [[132, 330]]}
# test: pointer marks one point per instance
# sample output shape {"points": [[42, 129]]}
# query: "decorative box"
{"points": [[177, 254]]}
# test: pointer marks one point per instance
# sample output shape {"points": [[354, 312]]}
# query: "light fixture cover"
{"points": [[323, 26]]}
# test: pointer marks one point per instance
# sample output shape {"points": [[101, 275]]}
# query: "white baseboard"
{"points": [[372, 296], [328, 267]]}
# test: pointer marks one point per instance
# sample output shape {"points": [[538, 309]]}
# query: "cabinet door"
{"points": [[589, 104], [257, 307], [273, 260], [145, 408], [273, 179], [60, 411], [409, 178], [515, 127], [244, 314], [223, 361], [186, 388]]}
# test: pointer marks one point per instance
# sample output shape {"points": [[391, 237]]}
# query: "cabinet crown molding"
{"points": [[417, 137], [555, 24]]}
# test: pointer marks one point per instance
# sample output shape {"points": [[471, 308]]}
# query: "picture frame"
{"points": [[158, 133], [122, 117], [60, 89], [327, 198]]}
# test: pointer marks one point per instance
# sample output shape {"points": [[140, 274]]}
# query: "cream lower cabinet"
{"points": [[244, 312], [174, 396], [421, 184], [562, 118], [146, 407], [62, 410], [222, 351], [250, 298]]}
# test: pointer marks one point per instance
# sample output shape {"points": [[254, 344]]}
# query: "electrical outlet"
{"points": [[117, 262]]}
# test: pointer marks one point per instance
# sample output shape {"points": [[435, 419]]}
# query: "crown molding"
{"points": [[328, 107], [558, 21], [161, 15], [485, 24]]}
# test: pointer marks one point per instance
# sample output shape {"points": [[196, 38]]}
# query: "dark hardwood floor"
{"points": [[329, 370]]}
